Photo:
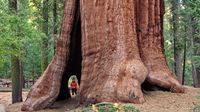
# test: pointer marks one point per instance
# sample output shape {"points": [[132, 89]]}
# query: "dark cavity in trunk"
{"points": [[75, 60]]}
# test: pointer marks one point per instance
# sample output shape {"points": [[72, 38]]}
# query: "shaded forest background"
{"points": [[28, 38]]}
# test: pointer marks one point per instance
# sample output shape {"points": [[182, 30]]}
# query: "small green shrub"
{"points": [[196, 109], [110, 107], [198, 97]]}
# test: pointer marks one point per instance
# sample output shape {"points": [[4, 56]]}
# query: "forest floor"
{"points": [[156, 101]]}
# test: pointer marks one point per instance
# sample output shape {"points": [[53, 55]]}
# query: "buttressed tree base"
{"points": [[120, 47]]}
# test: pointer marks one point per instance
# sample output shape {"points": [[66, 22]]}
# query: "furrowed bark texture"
{"points": [[149, 30], [122, 45], [46, 89], [112, 69]]}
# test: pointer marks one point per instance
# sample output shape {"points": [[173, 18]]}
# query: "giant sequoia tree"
{"points": [[120, 47]]}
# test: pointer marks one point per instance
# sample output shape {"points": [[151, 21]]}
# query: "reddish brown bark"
{"points": [[149, 27], [46, 89], [122, 45], [110, 52]]}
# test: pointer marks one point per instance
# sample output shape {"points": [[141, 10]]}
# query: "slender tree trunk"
{"points": [[198, 76], [45, 39], [194, 73], [196, 46], [191, 34], [21, 75], [55, 23], [192, 29], [197, 53], [16, 80], [187, 30], [33, 75], [177, 49], [15, 65], [184, 59]]}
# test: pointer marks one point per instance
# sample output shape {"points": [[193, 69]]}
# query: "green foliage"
{"points": [[22, 30], [196, 60], [110, 107], [196, 109], [189, 9], [198, 97], [16, 31]]}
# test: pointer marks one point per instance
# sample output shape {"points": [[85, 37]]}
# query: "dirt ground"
{"points": [[156, 101]]}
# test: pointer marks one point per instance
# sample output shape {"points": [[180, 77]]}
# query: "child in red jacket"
{"points": [[73, 87]]}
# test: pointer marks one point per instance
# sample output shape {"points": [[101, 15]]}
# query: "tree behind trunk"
{"points": [[16, 80], [176, 35], [55, 23], [192, 31], [195, 46], [15, 64], [45, 25]]}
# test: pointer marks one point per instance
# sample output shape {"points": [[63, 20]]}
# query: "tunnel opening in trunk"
{"points": [[74, 64]]}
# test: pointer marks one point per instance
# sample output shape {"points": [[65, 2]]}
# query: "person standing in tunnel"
{"points": [[73, 87]]}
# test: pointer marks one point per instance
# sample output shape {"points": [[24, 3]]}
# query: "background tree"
{"points": [[45, 27], [177, 43], [15, 61], [28, 43], [55, 22], [193, 33]]}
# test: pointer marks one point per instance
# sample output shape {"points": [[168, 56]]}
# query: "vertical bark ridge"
{"points": [[130, 30], [118, 61], [91, 50], [162, 12], [142, 22], [46, 89], [100, 24]]}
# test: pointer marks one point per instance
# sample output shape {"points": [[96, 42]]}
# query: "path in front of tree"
{"points": [[157, 101]]}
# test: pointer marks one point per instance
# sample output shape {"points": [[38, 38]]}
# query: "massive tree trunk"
{"points": [[122, 45], [110, 52]]}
